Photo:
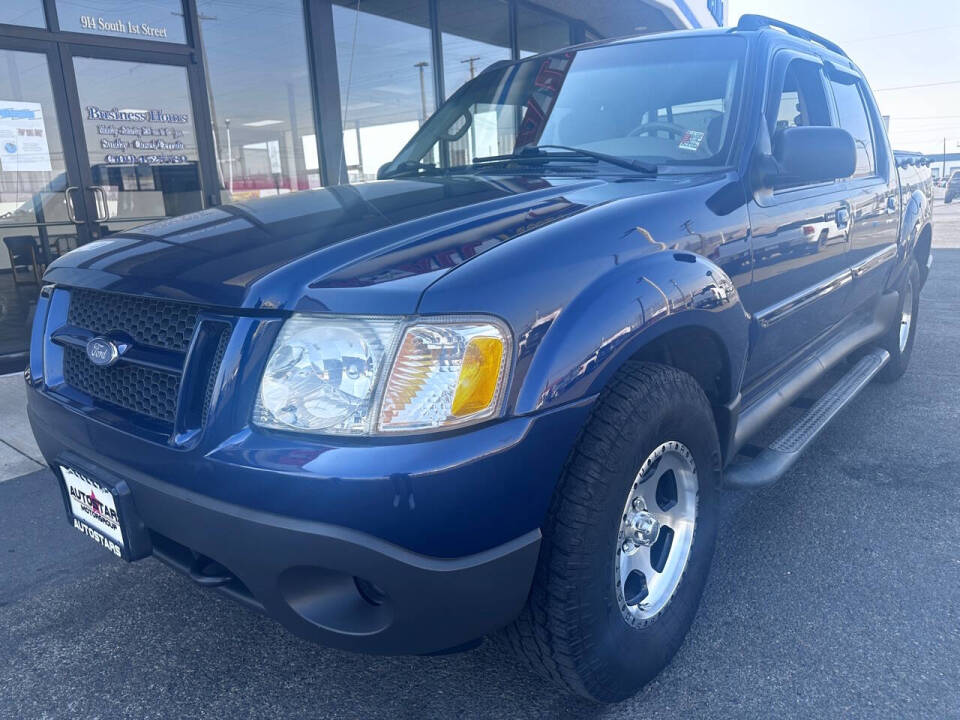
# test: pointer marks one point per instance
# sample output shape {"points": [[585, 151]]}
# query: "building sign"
{"points": [[139, 137], [153, 20], [23, 137], [122, 26]]}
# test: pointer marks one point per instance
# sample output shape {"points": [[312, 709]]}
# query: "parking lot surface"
{"points": [[833, 593]]}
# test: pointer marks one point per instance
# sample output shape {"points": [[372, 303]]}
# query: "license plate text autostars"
{"points": [[101, 540], [95, 509]]}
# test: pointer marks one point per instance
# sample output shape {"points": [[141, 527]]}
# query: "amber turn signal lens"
{"points": [[479, 375]]}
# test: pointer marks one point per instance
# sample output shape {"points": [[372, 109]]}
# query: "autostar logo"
{"points": [[94, 507], [102, 352]]}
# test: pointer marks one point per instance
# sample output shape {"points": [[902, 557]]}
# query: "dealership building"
{"points": [[114, 113]]}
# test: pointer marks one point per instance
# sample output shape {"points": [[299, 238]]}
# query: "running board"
{"points": [[773, 461]]}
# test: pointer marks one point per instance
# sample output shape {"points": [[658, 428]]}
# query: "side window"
{"points": [[803, 100], [853, 118]]}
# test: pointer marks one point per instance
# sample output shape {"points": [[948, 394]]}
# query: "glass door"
{"points": [[42, 214], [134, 124]]}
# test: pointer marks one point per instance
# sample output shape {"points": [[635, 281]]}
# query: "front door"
{"points": [[93, 141], [41, 212], [800, 233], [134, 129]]}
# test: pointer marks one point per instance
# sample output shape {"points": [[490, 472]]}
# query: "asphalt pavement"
{"points": [[833, 593]]}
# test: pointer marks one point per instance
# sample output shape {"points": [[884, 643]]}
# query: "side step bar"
{"points": [[773, 461]]}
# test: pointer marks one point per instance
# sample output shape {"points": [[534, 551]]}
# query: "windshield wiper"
{"points": [[536, 153]]}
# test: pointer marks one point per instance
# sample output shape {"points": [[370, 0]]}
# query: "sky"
{"points": [[899, 45]]}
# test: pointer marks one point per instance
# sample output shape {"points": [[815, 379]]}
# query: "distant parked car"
{"points": [[953, 187]]}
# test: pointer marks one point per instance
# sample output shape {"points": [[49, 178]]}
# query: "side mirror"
{"points": [[806, 155]]}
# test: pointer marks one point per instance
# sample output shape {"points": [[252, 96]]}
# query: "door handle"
{"points": [[100, 196], [68, 199], [843, 217]]}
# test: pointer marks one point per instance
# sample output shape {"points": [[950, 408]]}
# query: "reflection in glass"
{"points": [[22, 12], [475, 33], [386, 79], [141, 140], [260, 99], [539, 32], [667, 103], [153, 20], [34, 227]]}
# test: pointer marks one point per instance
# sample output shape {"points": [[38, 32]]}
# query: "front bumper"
{"points": [[360, 587]]}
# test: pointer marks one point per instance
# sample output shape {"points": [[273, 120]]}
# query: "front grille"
{"points": [[144, 390], [148, 321], [214, 370]]}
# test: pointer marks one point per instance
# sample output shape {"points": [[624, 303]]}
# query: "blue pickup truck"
{"points": [[497, 391]]}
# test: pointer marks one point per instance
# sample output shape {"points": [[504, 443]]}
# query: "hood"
{"points": [[368, 248]]}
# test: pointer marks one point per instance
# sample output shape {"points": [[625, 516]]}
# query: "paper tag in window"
{"points": [[691, 140]]}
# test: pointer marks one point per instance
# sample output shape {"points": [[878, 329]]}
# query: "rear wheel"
{"points": [[629, 538], [900, 337]]}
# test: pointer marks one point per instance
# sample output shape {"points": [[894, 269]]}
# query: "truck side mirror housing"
{"points": [[806, 155]]}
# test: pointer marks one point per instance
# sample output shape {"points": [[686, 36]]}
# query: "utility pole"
{"points": [[943, 172], [471, 60], [423, 89], [229, 158]]}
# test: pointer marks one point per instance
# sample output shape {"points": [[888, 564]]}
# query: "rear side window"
{"points": [[852, 114]]}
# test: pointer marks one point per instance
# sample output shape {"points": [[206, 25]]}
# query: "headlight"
{"points": [[353, 376]]}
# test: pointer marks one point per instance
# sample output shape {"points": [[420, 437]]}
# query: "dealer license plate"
{"points": [[94, 510]]}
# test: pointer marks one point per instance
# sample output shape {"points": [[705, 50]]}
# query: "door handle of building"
{"points": [[100, 196], [68, 199]]}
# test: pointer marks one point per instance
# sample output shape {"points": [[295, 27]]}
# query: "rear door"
{"points": [[800, 234], [873, 190]]}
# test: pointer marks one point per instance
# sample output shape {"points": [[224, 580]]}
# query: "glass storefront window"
{"points": [[34, 226], [539, 32], [141, 139], [386, 79], [261, 105], [23, 12], [475, 34], [157, 20]]}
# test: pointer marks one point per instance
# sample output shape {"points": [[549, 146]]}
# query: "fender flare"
{"points": [[916, 216], [623, 311]]}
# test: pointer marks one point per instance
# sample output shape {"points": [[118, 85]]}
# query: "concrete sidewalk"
{"points": [[19, 454]]}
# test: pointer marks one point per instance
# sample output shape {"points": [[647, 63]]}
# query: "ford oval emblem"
{"points": [[102, 352]]}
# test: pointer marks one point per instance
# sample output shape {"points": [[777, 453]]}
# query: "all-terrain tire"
{"points": [[573, 630], [901, 349]]}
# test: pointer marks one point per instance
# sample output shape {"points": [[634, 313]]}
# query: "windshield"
{"points": [[669, 101]]}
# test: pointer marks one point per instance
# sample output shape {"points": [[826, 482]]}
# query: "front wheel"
{"points": [[900, 337], [628, 540]]}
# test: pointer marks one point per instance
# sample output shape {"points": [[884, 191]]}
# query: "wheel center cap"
{"points": [[644, 527]]}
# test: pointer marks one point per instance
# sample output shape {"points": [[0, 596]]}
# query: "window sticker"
{"points": [[23, 137], [691, 140]]}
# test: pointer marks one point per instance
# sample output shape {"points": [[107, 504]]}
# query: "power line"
{"points": [[900, 34], [922, 85], [898, 118]]}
